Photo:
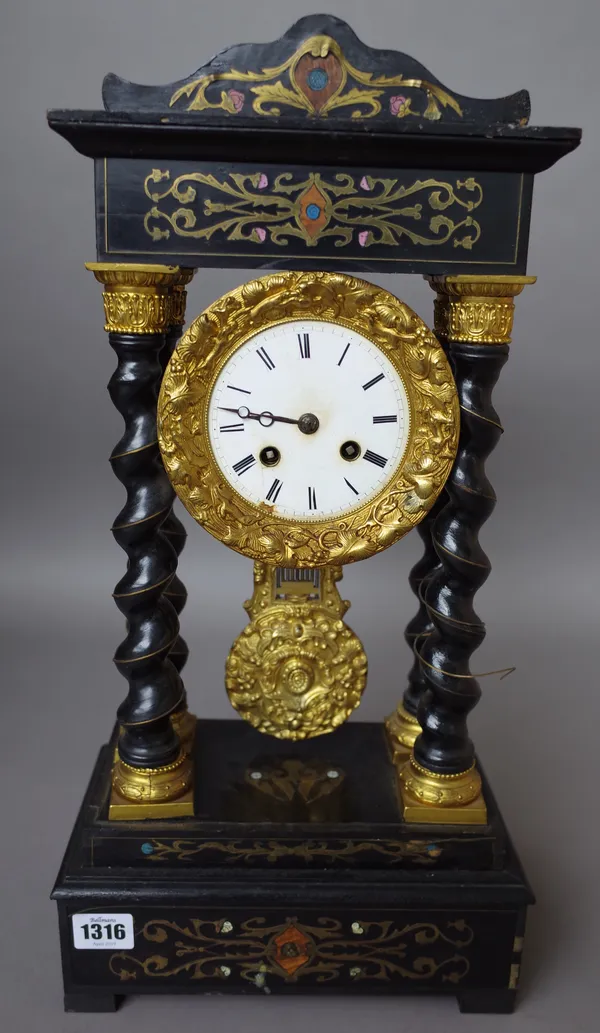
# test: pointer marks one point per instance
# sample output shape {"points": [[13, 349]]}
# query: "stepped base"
{"points": [[296, 874]]}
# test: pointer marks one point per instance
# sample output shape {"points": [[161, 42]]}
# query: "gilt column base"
{"points": [[436, 799], [165, 792], [402, 731], [184, 723]]}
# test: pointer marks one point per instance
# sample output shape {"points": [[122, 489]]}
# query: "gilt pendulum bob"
{"points": [[307, 419]]}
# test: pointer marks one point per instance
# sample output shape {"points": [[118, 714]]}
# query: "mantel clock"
{"points": [[307, 419]]}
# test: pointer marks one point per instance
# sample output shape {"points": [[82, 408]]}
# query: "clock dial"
{"points": [[309, 418]]}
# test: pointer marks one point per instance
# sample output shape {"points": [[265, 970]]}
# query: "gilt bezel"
{"points": [[255, 530]]}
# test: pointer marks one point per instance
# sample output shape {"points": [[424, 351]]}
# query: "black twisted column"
{"points": [[440, 781], [152, 775], [183, 721], [402, 725]]}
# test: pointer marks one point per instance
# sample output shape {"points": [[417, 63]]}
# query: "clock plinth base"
{"points": [[296, 864]]}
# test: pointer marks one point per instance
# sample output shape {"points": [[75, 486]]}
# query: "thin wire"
{"points": [[503, 671]]}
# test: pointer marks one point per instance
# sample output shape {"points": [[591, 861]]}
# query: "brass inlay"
{"points": [[143, 520], [257, 531], [513, 981], [305, 255], [199, 948], [134, 451], [422, 852], [289, 779], [367, 210], [140, 591], [324, 52], [146, 656]]}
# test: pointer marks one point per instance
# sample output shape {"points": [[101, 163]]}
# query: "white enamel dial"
{"points": [[308, 368]]}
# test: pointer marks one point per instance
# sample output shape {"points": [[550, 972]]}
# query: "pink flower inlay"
{"points": [[399, 105], [263, 181], [365, 183], [362, 237], [237, 99], [261, 233]]}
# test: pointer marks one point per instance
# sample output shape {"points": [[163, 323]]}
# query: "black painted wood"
{"points": [[308, 73], [317, 102], [90, 1002], [366, 926], [421, 625], [175, 592], [444, 745], [263, 215], [296, 816], [496, 1002], [100, 134], [155, 688]]}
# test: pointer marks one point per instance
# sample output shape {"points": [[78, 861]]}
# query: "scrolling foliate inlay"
{"points": [[318, 78], [326, 951], [367, 210], [418, 851]]}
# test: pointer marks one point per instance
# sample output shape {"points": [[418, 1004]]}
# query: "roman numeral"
{"points": [[274, 490], [343, 356], [244, 464], [242, 390], [370, 383], [372, 457], [385, 419], [304, 342], [351, 486], [312, 498], [230, 428], [268, 361]]}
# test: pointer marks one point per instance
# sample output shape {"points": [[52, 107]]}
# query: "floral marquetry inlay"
{"points": [[323, 952], [366, 209], [318, 79]]}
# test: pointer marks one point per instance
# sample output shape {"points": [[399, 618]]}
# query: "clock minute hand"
{"points": [[266, 419]]}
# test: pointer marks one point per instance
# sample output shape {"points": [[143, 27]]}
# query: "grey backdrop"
{"points": [[536, 730]]}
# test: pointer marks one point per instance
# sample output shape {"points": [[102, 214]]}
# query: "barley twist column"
{"points": [[440, 782], [403, 726], [183, 721], [152, 775]]}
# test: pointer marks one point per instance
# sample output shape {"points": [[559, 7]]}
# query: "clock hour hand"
{"points": [[308, 422], [266, 419]]}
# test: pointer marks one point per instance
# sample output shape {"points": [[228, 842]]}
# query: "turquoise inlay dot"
{"points": [[313, 211], [147, 848], [317, 79]]}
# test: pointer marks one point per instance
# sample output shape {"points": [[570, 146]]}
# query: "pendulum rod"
{"points": [[440, 781], [152, 772]]}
